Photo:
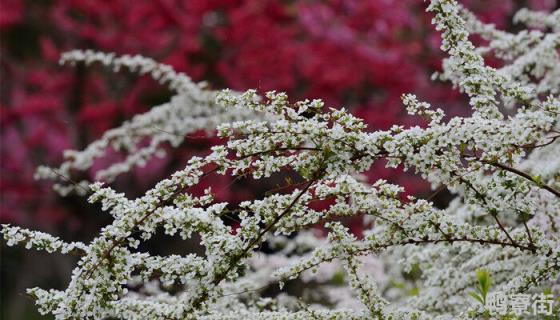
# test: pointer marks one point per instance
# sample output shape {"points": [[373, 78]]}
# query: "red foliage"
{"points": [[359, 54]]}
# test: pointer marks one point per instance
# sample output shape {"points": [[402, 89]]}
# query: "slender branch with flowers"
{"points": [[502, 163]]}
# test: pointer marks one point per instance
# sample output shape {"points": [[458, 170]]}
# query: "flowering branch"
{"points": [[502, 171]]}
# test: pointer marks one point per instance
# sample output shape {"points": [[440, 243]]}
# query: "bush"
{"points": [[498, 236]]}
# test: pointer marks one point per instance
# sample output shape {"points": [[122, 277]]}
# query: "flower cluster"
{"points": [[501, 163], [362, 55], [192, 109]]}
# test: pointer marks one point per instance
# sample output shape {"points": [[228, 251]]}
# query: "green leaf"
{"points": [[462, 147], [338, 278], [484, 284], [537, 179], [476, 296], [484, 281], [414, 291]]}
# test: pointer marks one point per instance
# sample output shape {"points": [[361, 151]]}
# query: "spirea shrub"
{"points": [[499, 235]]}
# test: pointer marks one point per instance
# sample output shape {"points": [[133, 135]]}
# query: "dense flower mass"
{"points": [[360, 54], [413, 260]]}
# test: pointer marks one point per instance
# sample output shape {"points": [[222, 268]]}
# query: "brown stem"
{"points": [[436, 192], [528, 232], [483, 198], [262, 233], [502, 227], [221, 276], [429, 241], [533, 146], [522, 174], [117, 242]]}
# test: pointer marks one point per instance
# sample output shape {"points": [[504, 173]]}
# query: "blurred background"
{"points": [[358, 54]]}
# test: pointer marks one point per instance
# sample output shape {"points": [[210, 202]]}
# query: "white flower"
{"points": [[502, 168]]}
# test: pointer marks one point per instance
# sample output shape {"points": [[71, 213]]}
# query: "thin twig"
{"points": [[522, 174]]}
